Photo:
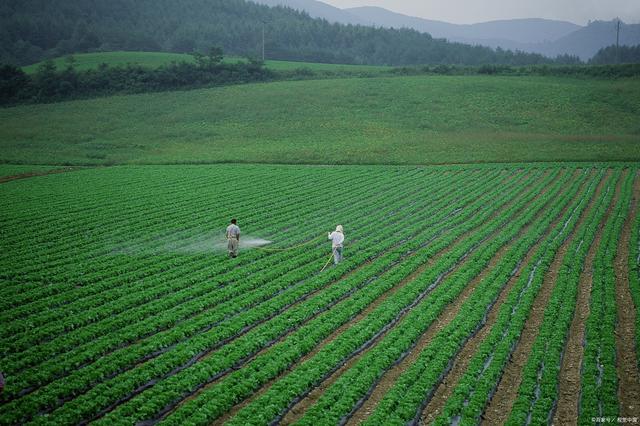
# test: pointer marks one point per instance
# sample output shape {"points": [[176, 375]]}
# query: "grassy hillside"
{"points": [[87, 61], [17, 169], [419, 120]]}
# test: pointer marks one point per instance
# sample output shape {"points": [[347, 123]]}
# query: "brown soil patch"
{"points": [[628, 375], [500, 405], [445, 389], [448, 314], [27, 175], [570, 371]]}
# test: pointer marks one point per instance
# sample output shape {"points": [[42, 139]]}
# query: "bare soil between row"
{"points": [[444, 391], [501, 403], [626, 356], [570, 371], [301, 407], [444, 319]]}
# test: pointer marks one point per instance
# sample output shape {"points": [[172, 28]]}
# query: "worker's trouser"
{"points": [[232, 246], [337, 255]]}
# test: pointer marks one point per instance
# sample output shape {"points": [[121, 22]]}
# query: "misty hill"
{"points": [[543, 36], [515, 30], [317, 9], [547, 37], [588, 40], [506, 33], [31, 30]]}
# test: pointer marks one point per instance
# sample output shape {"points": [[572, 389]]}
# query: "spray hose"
{"points": [[298, 246], [326, 264]]}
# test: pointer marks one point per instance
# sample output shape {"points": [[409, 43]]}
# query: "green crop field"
{"points": [[9, 170], [394, 120], [467, 292], [87, 61], [492, 252]]}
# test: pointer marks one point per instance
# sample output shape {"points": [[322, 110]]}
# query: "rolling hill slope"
{"points": [[317, 9], [399, 120]]}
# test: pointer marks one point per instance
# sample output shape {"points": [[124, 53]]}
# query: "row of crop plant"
{"points": [[599, 384], [35, 396], [235, 290], [538, 389], [200, 372], [474, 389], [409, 389], [357, 337]]}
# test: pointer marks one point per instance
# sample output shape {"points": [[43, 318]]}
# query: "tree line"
{"points": [[617, 55], [32, 30], [49, 84]]}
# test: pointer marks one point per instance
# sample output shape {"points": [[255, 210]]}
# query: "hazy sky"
{"points": [[471, 11]]}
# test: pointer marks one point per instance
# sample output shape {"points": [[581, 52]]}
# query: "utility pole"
{"points": [[264, 23], [618, 43]]}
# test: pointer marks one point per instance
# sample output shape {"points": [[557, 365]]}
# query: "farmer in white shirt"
{"points": [[233, 238], [337, 238]]}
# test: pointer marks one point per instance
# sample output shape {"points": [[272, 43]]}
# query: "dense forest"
{"points": [[32, 30], [617, 55]]}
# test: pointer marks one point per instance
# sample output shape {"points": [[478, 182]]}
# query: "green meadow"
{"points": [[392, 120], [18, 169], [88, 61]]}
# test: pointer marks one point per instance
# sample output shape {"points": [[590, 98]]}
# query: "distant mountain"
{"points": [[543, 36], [316, 9], [547, 37], [515, 30], [586, 41]]}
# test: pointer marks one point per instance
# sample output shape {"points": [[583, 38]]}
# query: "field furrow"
{"points": [[504, 304], [503, 397], [496, 221], [626, 349], [393, 258], [440, 321], [464, 296]]}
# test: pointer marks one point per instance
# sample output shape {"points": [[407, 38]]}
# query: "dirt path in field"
{"points": [[501, 403], [628, 375], [570, 371], [445, 389], [27, 175], [298, 409], [444, 319]]}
